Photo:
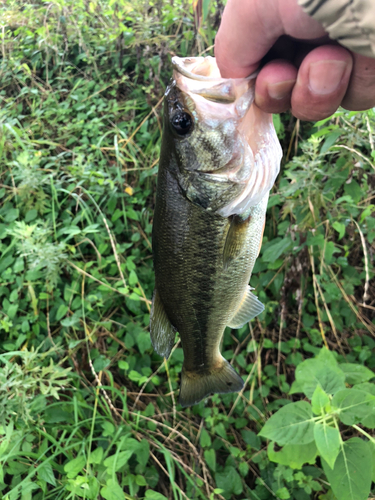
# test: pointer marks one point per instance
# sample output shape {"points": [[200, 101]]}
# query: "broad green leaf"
{"points": [[366, 386], [108, 429], [71, 321], [328, 441], [283, 493], [292, 424], [350, 477], [93, 228], [154, 495], [278, 247], [296, 387], [112, 491], [75, 466], [369, 387], [45, 472], [134, 296], [123, 365], [27, 487], [229, 480], [71, 230], [117, 214], [84, 487], [316, 238], [340, 228], [243, 469], [132, 214], [143, 341], [11, 215], [205, 7], [61, 312], [313, 372], [133, 278], [293, 455], [355, 374], [96, 456], [353, 189], [274, 198], [142, 452], [220, 430], [31, 215], [330, 249], [205, 439], [319, 401], [118, 460], [12, 310], [251, 439], [353, 405], [210, 457], [330, 140], [327, 357], [372, 445], [101, 363]]}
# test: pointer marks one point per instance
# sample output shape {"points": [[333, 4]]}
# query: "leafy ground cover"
{"points": [[87, 409]]}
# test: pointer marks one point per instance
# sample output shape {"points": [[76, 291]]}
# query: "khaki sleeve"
{"points": [[350, 22]]}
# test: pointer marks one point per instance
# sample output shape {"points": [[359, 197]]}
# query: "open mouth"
{"points": [[197, 68], [201, 76]]}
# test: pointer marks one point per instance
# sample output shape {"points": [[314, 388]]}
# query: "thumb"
{"points": [[249, 28]]}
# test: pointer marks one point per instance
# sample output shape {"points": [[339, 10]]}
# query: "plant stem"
{"points": [[364, 433]]}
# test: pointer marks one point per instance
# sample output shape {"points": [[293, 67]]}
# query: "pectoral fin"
{"points": [[162, 331], [235, 242], [250, 307]]}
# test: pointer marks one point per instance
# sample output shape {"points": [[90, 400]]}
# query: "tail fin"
{"points": [[195, 386]]}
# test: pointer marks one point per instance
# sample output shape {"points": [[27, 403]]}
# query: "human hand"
{"points": [[308, 73]]}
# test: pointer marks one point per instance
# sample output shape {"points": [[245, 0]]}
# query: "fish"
{"points": [[219, 159]]}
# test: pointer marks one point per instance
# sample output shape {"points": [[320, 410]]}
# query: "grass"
{"points": [[89, 410]]}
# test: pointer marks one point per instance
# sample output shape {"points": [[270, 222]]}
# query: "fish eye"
{"points": [[182, 122]]}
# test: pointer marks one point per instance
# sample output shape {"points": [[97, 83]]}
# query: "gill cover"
{"points": [[230, 158]]}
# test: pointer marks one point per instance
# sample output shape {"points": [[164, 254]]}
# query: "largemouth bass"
{"points": [[219, 159]]}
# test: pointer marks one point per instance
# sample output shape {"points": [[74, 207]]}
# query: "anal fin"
{"points": [[250, 307], [162, 331]]}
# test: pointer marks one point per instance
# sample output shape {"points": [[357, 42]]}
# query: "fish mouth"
{"points": [[201, 76], [202, 69]]}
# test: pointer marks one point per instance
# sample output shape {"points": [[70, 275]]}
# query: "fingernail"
{"points": [[325, 76], [281, 89]]}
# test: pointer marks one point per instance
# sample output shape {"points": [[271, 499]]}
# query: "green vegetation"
{"points": [[87, 409], [302, 435]]}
